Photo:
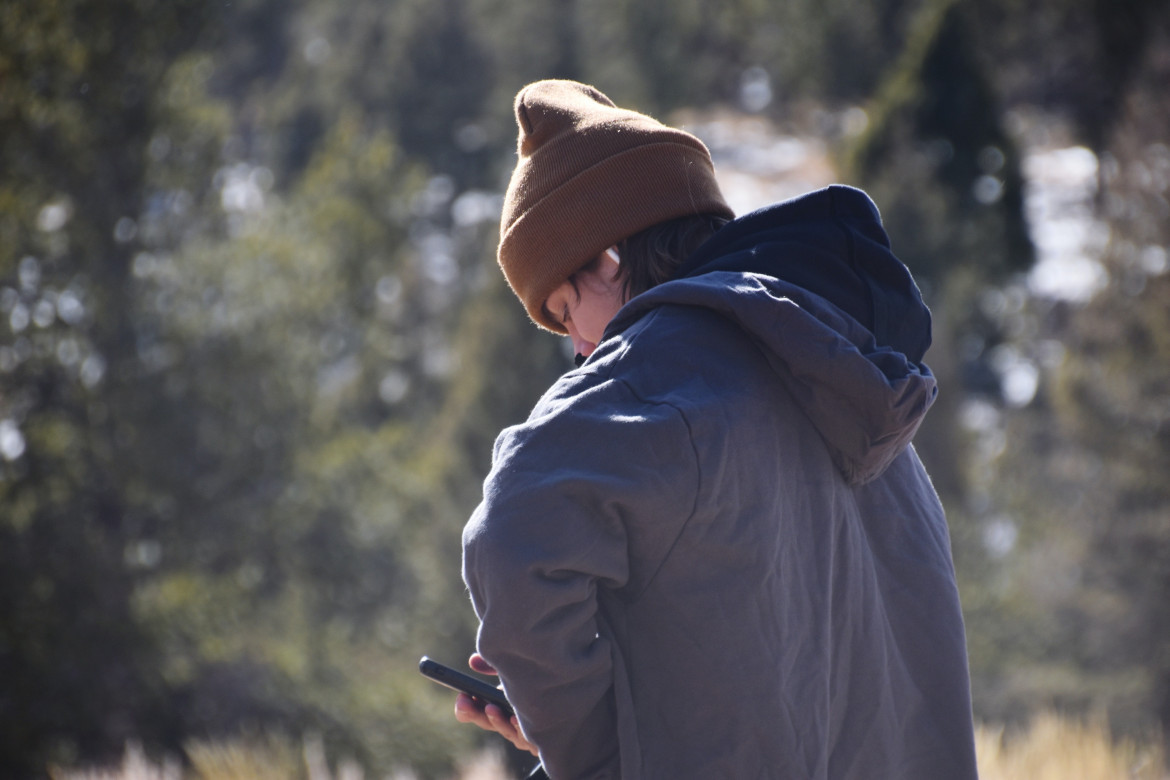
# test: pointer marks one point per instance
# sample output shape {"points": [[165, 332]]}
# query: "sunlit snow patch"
{"points": [[1069, 239]]}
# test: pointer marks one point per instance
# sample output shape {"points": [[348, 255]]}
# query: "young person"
{"points": [[711, 551]]}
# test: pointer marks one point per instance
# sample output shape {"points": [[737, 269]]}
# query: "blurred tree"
{"points": [[1073, 57], [935, 130], [838, 51], [205, 381], [1083, 475], [76, 116], [313, 523]]}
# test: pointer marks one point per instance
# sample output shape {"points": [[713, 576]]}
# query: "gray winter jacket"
{"points": [[711, 552]]}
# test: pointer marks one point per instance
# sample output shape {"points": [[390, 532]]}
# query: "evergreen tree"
{"points": [[1082, 475], [76, 121]]}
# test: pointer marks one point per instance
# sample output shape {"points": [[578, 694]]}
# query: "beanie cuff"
{"points": [[620, 196]]}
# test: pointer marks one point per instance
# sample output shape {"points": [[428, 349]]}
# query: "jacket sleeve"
{"points": [[584, 496]]}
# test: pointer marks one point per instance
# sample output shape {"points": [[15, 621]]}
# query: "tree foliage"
{"points": [[1084, 478]]}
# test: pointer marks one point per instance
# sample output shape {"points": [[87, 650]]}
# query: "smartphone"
{"points": [[464, 683]]}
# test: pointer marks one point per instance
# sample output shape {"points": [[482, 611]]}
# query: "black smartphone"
{"points": [[465, 683]]}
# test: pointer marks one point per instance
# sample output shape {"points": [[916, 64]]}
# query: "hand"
{"points": [[490, 717]]}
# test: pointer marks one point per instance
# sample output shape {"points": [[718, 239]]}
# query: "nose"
{"points": [[581, 346]]}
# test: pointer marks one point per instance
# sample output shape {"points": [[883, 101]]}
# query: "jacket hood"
{"points": [[813, 282]]}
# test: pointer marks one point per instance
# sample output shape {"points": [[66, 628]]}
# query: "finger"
{"points": [[492, 718], [500, 722], [509, 728], [467, 710], [522, 742], [479, 664]]}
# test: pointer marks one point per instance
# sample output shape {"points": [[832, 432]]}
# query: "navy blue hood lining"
{"points": [[830, 242]]}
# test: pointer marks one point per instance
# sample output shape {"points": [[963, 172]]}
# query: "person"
{"points": [[711, 550]]}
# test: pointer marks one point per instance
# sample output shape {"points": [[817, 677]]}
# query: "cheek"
{"points": [[593, 321]]}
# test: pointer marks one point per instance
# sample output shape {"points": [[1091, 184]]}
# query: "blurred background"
{"points": [[254, 347]]}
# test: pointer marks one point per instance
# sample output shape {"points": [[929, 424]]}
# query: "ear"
{"points": [[613, 264]]}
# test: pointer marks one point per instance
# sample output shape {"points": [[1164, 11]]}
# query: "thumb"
{"points": [[478, 664]]}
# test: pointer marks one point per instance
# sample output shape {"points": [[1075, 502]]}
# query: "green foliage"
{"points": [[310, 519], [78, 86], [937, 159]]}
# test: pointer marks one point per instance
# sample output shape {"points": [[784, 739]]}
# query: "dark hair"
{"points": [[653, 256]]}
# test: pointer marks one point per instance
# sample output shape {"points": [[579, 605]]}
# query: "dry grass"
{"points": [[1056, 748], [1052, 748], [267, 759], [135, 766], [270, 759]]}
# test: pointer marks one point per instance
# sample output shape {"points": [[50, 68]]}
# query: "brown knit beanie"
{"points": [[590, 175]]}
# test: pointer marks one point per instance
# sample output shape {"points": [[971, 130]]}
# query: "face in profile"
{"points": [[588, 300]]}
